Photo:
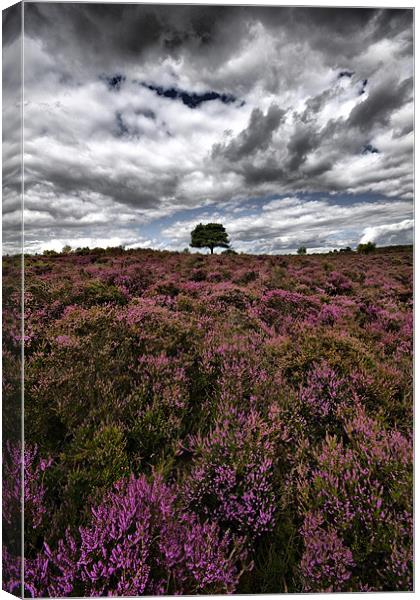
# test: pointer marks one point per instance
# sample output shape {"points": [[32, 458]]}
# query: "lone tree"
{"points": [[301, 251], [211, 235]]}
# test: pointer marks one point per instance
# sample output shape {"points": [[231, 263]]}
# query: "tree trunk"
{"points": [[211, 249]]}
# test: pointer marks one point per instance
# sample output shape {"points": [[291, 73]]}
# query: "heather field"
{"points": [[200, 424]]}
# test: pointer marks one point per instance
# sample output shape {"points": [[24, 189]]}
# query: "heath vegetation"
{"points": [[212, 424]]}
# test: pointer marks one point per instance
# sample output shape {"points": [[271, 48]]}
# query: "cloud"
{"points": [[386, 97], [12, 125], [392, 233], [283, 224], [256, 137], [136, 113]]}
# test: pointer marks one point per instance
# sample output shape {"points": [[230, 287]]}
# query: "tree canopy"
{"points": [[366, 248], [210, 235]]}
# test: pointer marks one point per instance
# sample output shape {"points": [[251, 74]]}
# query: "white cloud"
{"points": [[100, 162], [388, 232], [315, 223]]}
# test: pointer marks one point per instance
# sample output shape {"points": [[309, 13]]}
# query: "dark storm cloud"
{"points": [[335, 140], [314, 105], [87, 181], [93, 27], [113, 33], [130, 29], [303, 141], [120, 34], [12, 125], [137, 111], [257, 136], [383, 100], [269, 172], [391, 22], [11, 24], [338, 32]]}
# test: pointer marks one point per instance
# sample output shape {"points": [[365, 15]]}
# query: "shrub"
{"points": [[358, 511], [232, 474], [34, 468], [156, 407], [138, 542], [93, 462], [366, 248]]}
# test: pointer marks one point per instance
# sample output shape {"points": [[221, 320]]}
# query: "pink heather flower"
{"points": [[326, 563], [63, 340], [139, 542], [232, 474], [34, 489]]}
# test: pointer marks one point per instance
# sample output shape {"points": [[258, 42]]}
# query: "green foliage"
{"points": [[247, 277], [301, 251], [168, 289], [211, 235], [366, 248], [98, 292], [96, 459], [83, 251], [278, 278], [93, 462], [275, 559]]}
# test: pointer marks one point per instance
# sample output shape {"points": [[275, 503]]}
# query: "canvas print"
{"points": [[207, 299]]}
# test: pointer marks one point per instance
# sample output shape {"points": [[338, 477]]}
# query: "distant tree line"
{"points": [[209, 235]]}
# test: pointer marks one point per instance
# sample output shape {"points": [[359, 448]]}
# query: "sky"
{"points": [[291, 126]]}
